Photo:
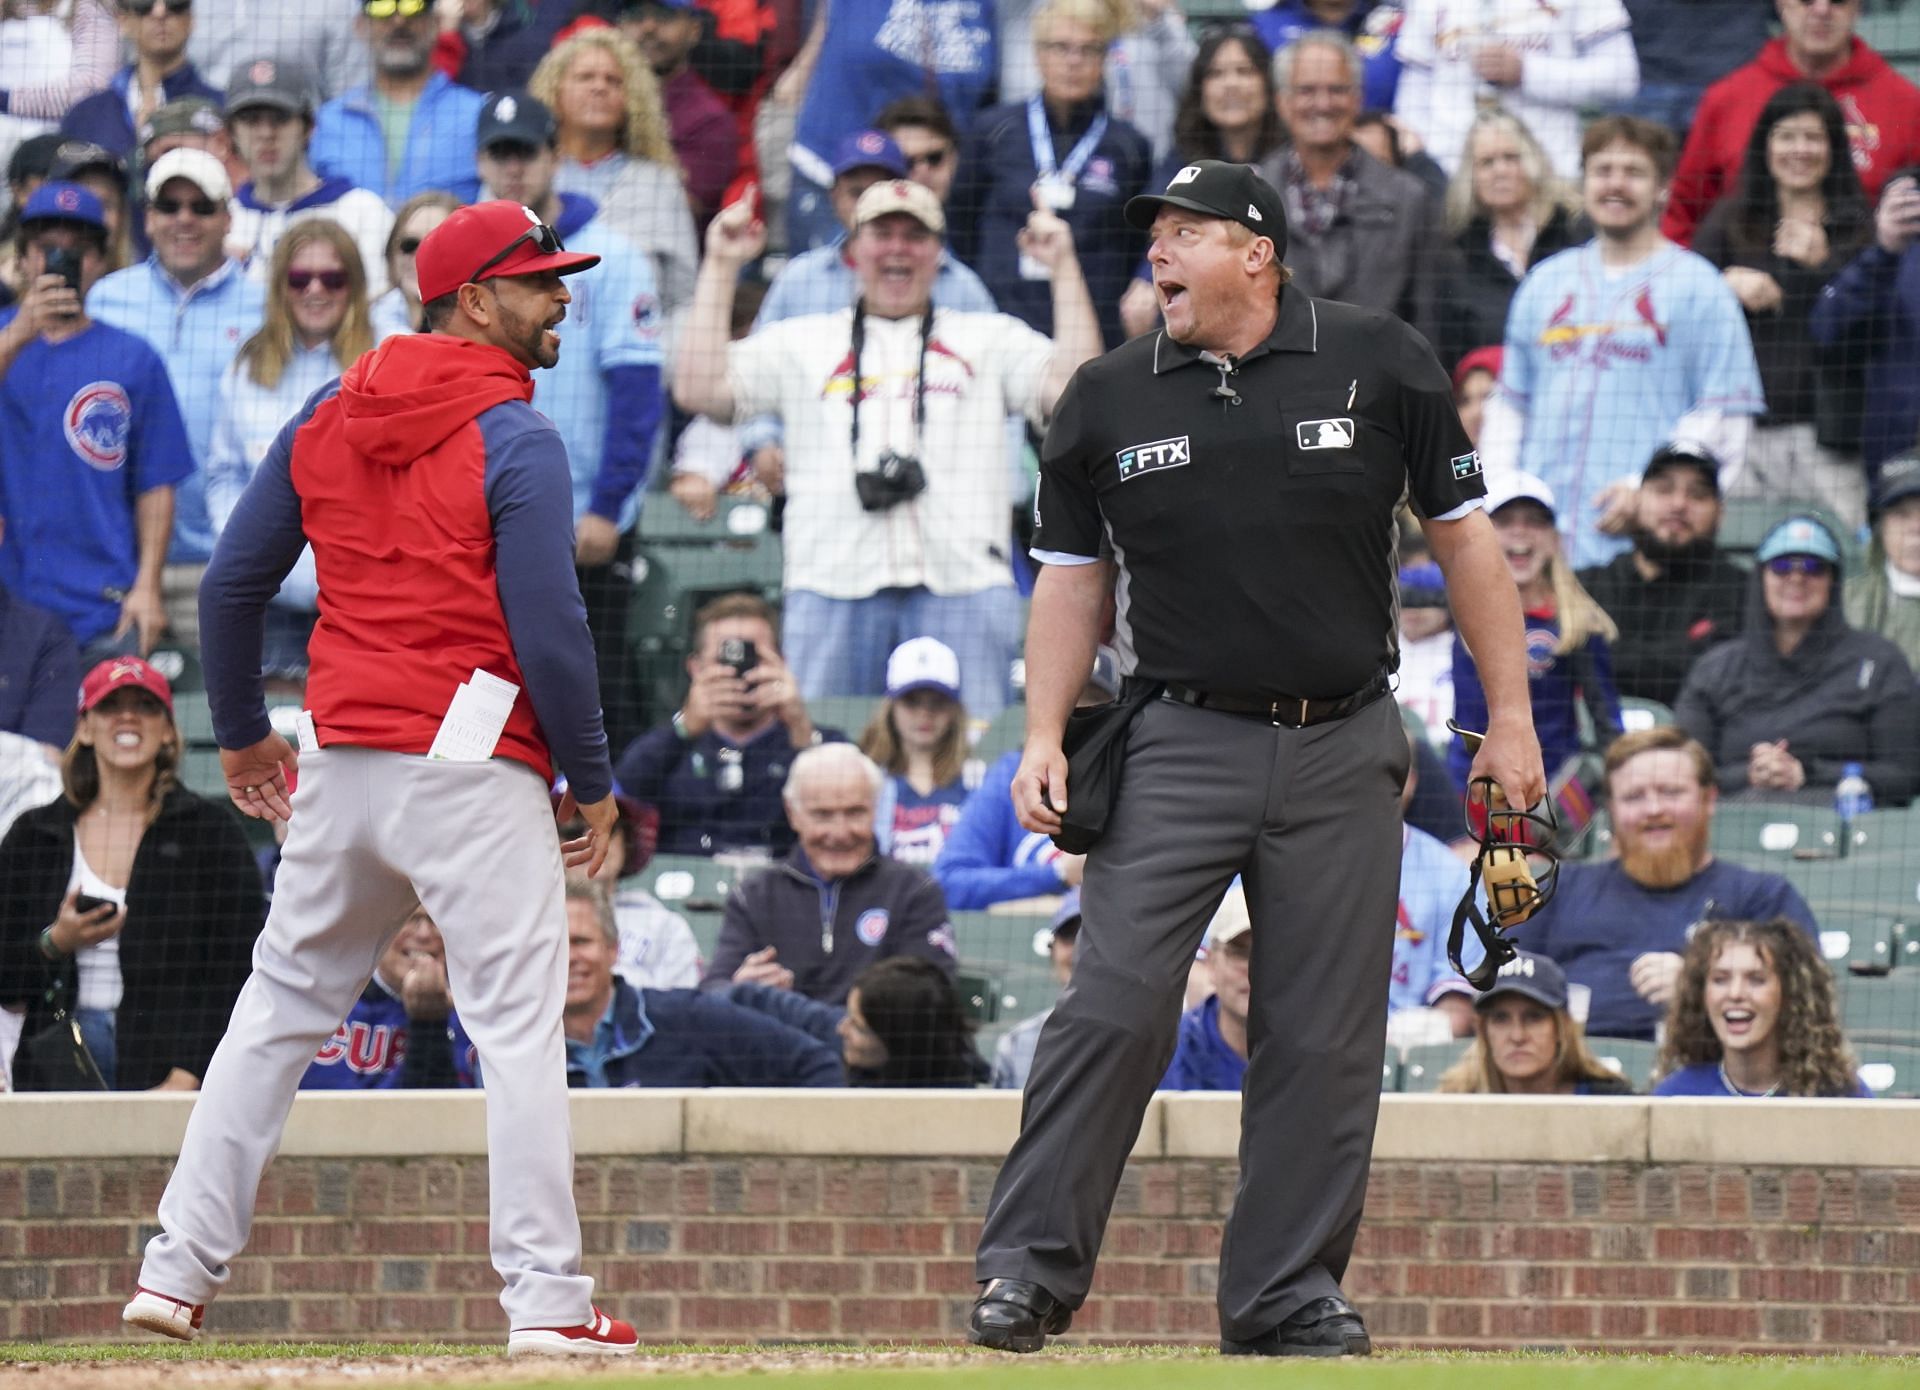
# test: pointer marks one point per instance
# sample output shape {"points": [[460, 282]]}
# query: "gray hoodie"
{"points": [[1842, 696]]}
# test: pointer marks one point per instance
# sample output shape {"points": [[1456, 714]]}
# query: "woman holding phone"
{"points": [[129, 905]]}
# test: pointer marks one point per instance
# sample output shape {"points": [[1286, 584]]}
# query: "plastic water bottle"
{"points": [[1852, 798]]}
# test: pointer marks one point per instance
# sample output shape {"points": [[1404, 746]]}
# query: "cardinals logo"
{"points": [[1643, 306]]}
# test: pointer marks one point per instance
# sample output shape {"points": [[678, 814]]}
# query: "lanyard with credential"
{"points": [[1057, 180]]}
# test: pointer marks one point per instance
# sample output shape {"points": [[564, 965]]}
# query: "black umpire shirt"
{"points": [[1255, 539]]}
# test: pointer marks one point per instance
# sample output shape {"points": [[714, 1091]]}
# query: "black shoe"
{"points": [[1325, 1327], [1013, 1315]]}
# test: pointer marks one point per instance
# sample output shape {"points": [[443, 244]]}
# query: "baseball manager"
{"points": [[1232, 480], [439, 506]]}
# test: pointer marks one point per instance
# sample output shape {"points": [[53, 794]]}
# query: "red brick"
{"points": [[894, 1276], [893, 1238], [809, 1237], [1622, 1321], [1126, 1238], [813, 1276], [1793, 1285], [810, 1317], [1853, 1326], [408, 1237], [1563, 1243], [1623, 1281], [1457, 1280], [1385, 1242], [1539, 1320], [73, 1242], [731, 1317], [323, 1276], [1459, 1319], [953, 1277], [1703, 1243], [891, 1316], [1738, 1324], [473, 1276], [729, 1237], [77, 1281]]}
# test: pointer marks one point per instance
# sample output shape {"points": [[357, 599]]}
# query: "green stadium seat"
{"points": [[1637, 713], [1633, 1058], [1420, 1068], [847, 713], [1007, 732], [1891, 1070], [1857, 943], [1747, 520], [1880, 1008], [1763, 834], [979, 995], [737, 549]]}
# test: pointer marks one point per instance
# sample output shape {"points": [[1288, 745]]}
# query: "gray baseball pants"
{"points": [[372, 833], [1311, 818]]}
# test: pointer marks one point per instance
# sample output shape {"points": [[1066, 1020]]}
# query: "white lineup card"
{"points": [[475, 720]]}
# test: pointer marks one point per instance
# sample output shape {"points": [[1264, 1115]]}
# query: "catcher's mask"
{"points": [[1508, 837]]}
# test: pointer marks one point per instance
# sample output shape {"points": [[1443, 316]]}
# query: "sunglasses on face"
{"points": [[1784, 565], [332, 281], [407, 245], [143, 7], [543, 238], [389, 9], [199, 207]]}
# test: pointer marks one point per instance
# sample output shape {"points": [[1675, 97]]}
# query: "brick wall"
{"points": [[1706, 1256]]}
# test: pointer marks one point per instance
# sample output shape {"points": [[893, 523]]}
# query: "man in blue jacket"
{"points": [[621, 1036], [988, 858], [158, 74], [604, 397], [411, 129]]}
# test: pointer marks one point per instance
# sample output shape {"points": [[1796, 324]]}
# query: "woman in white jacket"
{"points": [[316, 325]]}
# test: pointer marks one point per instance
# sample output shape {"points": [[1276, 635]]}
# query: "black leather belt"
{"points": [[1287, 711]]}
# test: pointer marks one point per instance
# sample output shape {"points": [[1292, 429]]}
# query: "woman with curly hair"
{"points": [[1755, 1016], [1527, 1043], [615, 149]]}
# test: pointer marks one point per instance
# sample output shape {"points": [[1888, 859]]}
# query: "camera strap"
{"points": [[919, 377]]}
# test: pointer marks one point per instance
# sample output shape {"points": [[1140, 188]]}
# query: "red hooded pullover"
{"points": [[390, 474], [1882, 110]]}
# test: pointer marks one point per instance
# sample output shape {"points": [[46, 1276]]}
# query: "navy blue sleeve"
{"points": [[530, 499], [643, 768], [255, 552], [749, 1048], [47, 711], [633, 414], [1860, 294], [819, 1021]]}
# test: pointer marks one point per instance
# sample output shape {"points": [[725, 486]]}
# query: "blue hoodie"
{"points": [[988, 857]]}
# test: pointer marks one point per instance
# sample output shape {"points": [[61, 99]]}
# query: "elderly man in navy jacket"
{"points": [[814, 920]]}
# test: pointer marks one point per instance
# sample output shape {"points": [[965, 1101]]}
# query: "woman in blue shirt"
{"points": [[1528, 1042], [316, 325], [1754, 1017], [1569, 636], [919, 736]]}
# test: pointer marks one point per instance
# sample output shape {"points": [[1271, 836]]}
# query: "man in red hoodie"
{"points": [[452, 673], [1882, 108]]}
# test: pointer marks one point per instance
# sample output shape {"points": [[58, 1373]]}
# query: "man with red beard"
{"points": [[1619, 928]]}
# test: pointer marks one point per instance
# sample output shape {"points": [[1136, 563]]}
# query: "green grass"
{"points": [[1077, 1368]]}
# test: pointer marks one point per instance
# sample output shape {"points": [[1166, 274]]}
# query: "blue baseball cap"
{"points": [[1530, 976], [869, 149], [63, 202], [1799, 535], [1066, 917]]}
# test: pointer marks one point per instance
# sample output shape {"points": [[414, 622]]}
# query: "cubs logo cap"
{"points": [[1899, 480], [63, 202], [1530, 976], [270, 83], [923, 663], [1216, 188], [455, 252], [899, 195], [119, 672], [514, 118], [199, 168], [869, 149], [1683, 454]]}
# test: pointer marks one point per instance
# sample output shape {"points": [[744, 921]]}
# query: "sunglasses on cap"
{"points": [[333, 281], [199, 207], [1784, 565], [543, 238], [389, 9]]}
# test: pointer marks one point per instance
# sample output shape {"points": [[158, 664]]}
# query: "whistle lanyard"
{"points": [[1042, 138], [919, 377]]}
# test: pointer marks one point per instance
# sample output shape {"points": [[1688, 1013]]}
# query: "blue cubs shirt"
{"points": [[86, 426], [367, 1051]]}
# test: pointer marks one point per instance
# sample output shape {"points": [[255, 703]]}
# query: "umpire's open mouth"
{"points": [[1170, 292]]}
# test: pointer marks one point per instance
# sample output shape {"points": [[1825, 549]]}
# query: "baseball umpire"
{"points": [[1240, 472], [439, 507]]}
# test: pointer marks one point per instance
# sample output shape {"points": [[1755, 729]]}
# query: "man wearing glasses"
{"points": [[157, 31], [194, 305], [452, 678], [1816, 44], [411, 128], [270, 116]]}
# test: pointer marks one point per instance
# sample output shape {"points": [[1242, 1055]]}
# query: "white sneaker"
{"points": [[603, 1336], [170, 1317]]}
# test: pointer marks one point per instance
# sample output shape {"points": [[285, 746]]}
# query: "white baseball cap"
{"points": [[901, 195], [1515, 486], [923, 663], [204, 171], [1231, 920]]}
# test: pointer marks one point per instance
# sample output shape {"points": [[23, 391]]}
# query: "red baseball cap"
{"points": [[119, 672], [488, 239]]}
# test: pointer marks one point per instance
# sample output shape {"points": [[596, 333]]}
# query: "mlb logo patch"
{"points": [[1147, 458], [1324, 434], [1467, 465]]}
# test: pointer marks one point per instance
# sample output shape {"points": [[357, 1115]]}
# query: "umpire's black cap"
{"points": [[1218, 189]]}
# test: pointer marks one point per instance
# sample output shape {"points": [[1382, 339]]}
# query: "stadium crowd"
{"points": [[850, 253]]}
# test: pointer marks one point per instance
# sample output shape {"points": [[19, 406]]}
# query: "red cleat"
{"points": [[603, 1336], [170, 1317]]}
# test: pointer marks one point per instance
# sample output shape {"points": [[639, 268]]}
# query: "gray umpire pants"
{"points": [[1311, 818]]}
